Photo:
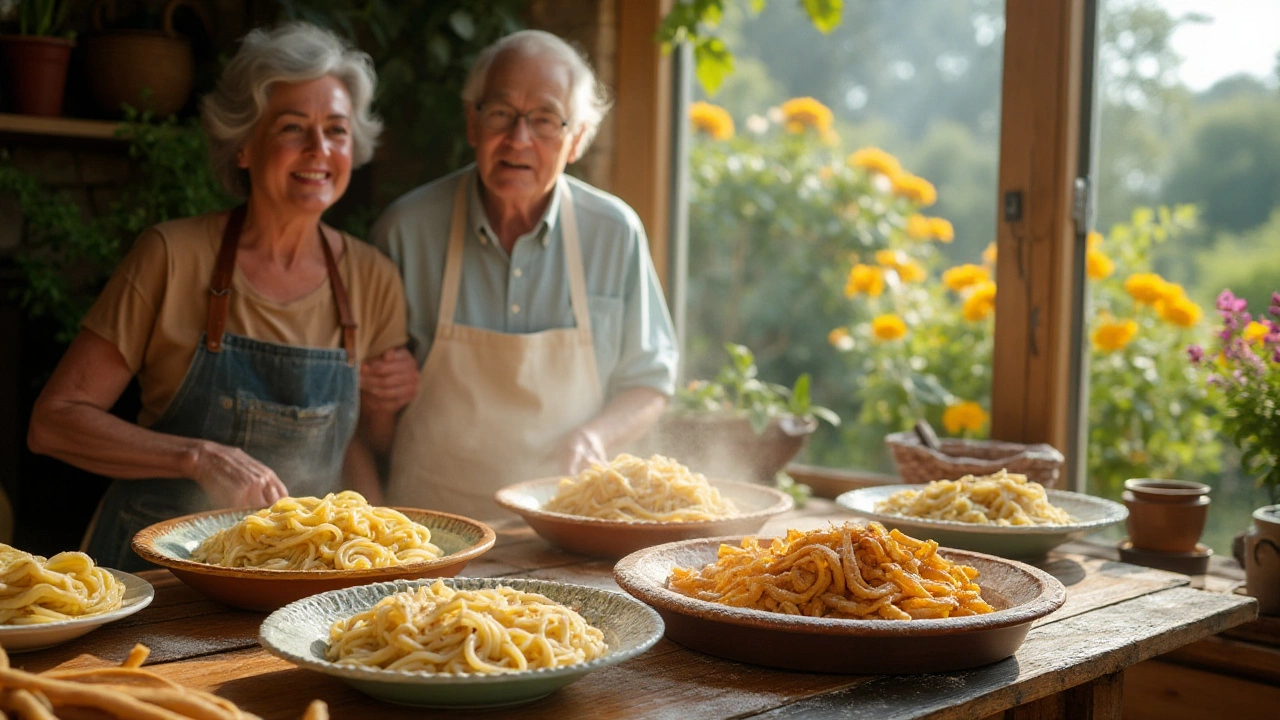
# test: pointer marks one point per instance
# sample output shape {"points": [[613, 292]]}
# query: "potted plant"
{"points": [[36, 58], [1246, 372], [739, 427]]}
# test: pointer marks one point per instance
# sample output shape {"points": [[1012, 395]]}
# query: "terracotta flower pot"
{"points": [[1165, 515], [725, 447], [36, 72], [1262, 559]]}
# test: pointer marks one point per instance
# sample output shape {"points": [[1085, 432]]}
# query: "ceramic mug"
{"points": [[1262, 559]]}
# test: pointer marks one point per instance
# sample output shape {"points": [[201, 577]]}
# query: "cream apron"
{"points": [[493, 407]]}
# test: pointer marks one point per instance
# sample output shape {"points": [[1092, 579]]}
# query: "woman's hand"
{"points": [[389, 381], [233, 479]]}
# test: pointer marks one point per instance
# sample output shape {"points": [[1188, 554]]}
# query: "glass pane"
{"points": [[842, 215], [1189, 204]]}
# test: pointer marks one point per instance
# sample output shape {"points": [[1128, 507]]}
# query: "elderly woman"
{"points": [[245, 328], [539, 322]]}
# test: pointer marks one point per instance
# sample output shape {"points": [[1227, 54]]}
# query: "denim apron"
{"points": [[294, 409]]}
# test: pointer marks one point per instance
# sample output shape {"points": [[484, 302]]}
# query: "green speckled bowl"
{"points": [[171, 543], [299, 633]]}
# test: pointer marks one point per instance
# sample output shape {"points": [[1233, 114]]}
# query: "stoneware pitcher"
{"points": [[1262, 559]]}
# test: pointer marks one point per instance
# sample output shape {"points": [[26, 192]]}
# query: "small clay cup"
{"points": [[1165, 515]]}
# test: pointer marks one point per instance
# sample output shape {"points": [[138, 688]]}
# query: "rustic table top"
{"points": [[1115, 615]]}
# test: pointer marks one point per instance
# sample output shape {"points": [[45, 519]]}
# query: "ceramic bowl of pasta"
{"points": [[631, 503], [47, 601], [461, 642], [847, 599], [264, 559], [1001, 514]]}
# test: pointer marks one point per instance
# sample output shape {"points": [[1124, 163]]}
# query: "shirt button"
{"points": [[515, 309], [227, 403], [517, 272]]}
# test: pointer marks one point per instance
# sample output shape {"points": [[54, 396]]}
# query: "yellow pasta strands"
{"points": [[66, 586], [124, 692], [340, 531], [441, 630], [1003, 498], [630, 488], [850, 571]]}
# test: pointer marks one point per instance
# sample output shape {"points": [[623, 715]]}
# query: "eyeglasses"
{"points": [[544, 124]]}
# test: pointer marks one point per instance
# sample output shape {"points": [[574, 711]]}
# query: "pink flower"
{"points": [[1275, 304], [1196, 353], [1228, 302]]}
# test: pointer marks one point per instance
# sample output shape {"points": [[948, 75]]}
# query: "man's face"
{"points": [[517, 165]]}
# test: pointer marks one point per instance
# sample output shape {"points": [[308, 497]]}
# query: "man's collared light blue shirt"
{"points": [[528, 290]]}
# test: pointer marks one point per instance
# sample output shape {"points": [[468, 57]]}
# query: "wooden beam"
{"points": [[642, 124], [1036, 270]]}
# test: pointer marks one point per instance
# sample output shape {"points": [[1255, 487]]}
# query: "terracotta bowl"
{"points": [[1020, 593], [171, 543], [615, 538]]}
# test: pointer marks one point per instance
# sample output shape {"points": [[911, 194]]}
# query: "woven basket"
{"points": [[918, 464]]}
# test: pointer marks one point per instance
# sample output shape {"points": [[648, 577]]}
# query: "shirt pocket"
{"points": [[606, 333]]}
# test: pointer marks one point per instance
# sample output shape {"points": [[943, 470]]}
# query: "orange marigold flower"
{"points": [[867, 279], [888, 327], [712, 120], [840, 339], [980, 303], [919, 227], [964, 416], [805, 113], [989, 255], [875, 160], [887, 258], [911, 271], [1179, 310], [1112, 335], [1094, 239], [1147, 288], [963, 276], [1098, 265], [1255, 332], [914, 188], [942, 229]]}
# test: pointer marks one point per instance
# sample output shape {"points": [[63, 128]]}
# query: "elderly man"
{"points": [[541, 330]]}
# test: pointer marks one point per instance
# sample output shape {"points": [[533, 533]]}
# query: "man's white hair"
{"points": [[589, 100]]}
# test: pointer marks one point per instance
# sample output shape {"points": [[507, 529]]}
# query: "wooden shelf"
{"points": [[58, 126]]}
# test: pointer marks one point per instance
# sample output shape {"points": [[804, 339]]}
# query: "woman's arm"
{"points": [[71, 422]]}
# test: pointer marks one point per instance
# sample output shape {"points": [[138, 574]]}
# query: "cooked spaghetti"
{"points": [[1003, 498], [439, 629], [850, 571], [340, 531], [630, 488], [125, 692], [66, 586]]}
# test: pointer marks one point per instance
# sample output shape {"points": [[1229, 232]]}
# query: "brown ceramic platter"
{"points": [[615, 538], [170, 544], [1020, 593]]}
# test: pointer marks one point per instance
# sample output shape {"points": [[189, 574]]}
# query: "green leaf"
{"points": [[714, 63], [800, 395], [462, 24], [825, 414], [825, 14], [439, 48]]}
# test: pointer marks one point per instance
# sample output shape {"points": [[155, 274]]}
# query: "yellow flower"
{"points": [[712, 120], [1098, 265], [964, 416], [963, 276], [825, 173], [989, 255], [942, 229], [888, 327], [1094, 238], [914, 188], [1147, 288], [911, 271], [1179, 310], [875, 160], [864, 278], [804, 113], [919, 227], [887, 258], [840, 339], [1112, 335], [980, 303], [1255, 332]]}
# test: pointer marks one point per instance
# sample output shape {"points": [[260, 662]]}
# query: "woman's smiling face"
{"points": [[299, 156]]}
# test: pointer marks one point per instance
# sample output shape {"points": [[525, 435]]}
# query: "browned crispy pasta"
{"points": [[850, 571]]}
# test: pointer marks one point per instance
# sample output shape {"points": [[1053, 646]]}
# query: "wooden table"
{"points": [[1071, 665]]}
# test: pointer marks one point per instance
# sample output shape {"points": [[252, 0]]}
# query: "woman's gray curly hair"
{"points": [[291, 53], [589, 100]]}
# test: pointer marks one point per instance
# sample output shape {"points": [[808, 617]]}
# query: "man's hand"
{"points": [[581, 449], [389, 381]]}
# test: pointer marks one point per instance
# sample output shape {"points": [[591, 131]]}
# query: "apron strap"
{"points": [[573, 263], [453, 255], [220, 287]]}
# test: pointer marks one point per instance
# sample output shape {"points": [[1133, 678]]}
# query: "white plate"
{"points": [[138, 594], [1011, 541]]}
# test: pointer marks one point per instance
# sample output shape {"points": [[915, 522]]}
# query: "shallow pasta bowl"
{"points": [[1013, 541], [1020, 593], [299, 633], [170, 544], [615, 538], [138, 594]]}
